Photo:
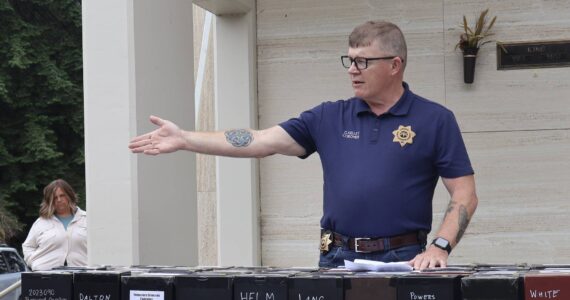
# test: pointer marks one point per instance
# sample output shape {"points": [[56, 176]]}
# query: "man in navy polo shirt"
{"points": [[382, 153]]}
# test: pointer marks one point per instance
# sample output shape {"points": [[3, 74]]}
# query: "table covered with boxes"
{"points": [[470, 282]]}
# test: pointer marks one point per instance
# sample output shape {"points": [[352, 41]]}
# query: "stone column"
{"points": [[138, 60]]}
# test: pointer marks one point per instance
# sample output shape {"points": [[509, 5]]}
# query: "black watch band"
{"points": [[442, 243]]}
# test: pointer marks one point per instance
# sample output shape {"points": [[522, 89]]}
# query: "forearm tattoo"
{"points": [[239, 137], [463, 222], [450, 208]]}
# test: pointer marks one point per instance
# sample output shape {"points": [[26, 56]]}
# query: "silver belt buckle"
{"points": [[356, 245]]}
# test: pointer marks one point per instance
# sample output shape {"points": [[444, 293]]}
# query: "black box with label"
{"points": [[95, 285], [303, 287], [429, 287], [261, 287], [47, 284], [148, 286]]}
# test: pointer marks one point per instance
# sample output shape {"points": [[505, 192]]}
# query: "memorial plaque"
{"points": [[525, 55]]}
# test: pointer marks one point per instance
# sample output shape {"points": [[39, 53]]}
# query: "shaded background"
{"points": [[41, 108]]}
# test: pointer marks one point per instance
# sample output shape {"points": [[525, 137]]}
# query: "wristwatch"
{"points": [[442, 243]]}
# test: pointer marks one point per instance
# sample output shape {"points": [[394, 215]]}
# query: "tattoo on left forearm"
{"points": [[463, 222], [239, 137], [450, 208]]}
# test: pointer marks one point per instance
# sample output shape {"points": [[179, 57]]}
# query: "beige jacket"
{"points": [[49, 245]]}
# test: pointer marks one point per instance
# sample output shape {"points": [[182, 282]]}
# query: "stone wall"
{"points": [[516, 123]]}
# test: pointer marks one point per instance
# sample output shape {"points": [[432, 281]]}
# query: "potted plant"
{"points": [[471, 40]]}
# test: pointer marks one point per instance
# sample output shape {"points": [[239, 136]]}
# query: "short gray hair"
{"points": [[389, 35]]}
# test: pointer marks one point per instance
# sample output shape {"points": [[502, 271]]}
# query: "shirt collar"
{"points": [[401, 108], [361, 107], [403, 105]]}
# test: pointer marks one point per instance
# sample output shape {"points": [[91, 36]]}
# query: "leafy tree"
{"points": [[41, 105], [9, 226]]}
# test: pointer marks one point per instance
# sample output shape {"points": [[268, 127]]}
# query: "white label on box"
{"points": [[147, 295]]}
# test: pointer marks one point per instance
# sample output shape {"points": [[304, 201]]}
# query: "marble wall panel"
{"points": [[300, 44], [502, 100], [515, 122], [299, 49], [522, 183]]}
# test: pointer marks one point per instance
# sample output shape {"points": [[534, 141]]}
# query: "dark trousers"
{"points": [[337, 254]]}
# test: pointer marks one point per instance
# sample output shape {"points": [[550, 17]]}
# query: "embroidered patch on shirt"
{"points": [[349, 134], [404, 135]]}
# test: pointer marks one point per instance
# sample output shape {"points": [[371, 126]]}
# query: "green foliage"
{"points": [[41, 104], [9, 225], [475, 37]]}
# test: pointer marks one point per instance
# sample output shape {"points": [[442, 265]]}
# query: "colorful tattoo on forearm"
{"points": [[239, 137]]}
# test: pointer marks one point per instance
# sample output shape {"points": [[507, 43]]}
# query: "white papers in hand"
{"points": [[377, 266]]}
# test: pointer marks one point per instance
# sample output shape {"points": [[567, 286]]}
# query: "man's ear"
{"points": [[396, 65]]}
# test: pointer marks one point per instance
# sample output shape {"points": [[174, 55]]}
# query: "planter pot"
{"points": [[469, 58]]}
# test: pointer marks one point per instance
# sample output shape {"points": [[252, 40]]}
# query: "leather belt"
{"points": [[367, 245]]}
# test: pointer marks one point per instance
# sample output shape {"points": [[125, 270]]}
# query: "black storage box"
{"points": [[429, 286], [261, 287], [96, 285], [370, 286], [47, 284], [204, 286], [148, 286], [495, 285], [303, 287]]}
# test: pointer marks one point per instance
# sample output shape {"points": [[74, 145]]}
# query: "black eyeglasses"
{"points": [[360, 62]]}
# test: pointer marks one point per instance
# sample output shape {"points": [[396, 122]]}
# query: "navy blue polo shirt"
{"points": [[380, 172]]}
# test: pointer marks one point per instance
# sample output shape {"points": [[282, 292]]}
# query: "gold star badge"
{"points": [[404, 135], [325, 242]]}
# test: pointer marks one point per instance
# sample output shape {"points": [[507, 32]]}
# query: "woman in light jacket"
{"points": [[59, 235]]}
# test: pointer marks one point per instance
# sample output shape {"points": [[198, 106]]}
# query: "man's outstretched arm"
{"points": [[235, 143], [457, 216]]}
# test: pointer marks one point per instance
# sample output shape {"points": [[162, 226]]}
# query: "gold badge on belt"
{"points": [[404, 135], [325, 242]]}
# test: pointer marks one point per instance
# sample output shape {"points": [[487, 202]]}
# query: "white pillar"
{"points": [[236, 107], [138, 60]]}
